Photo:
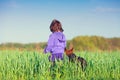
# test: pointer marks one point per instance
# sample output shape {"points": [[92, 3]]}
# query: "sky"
{"points": [[27, 21]]}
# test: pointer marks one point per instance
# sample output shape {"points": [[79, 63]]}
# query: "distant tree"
{"points": [[89, 43]]}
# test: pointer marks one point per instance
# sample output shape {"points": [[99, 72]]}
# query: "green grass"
{"points": [[29, 65]]}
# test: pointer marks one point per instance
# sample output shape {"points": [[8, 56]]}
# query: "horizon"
{"points": [[28, 21], [46, 41]]}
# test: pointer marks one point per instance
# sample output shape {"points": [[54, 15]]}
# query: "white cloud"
{"points": [[10, 4]]}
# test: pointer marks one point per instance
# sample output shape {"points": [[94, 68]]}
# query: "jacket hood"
{"points": [[60, 36]]}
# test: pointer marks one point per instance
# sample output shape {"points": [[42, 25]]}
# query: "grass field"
{"points": [[30, 65]]}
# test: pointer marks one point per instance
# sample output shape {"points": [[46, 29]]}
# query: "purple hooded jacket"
{"points": [[56, 43]]}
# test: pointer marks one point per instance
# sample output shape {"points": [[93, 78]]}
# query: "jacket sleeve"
{"points": [[64, 40], [50, 45]]}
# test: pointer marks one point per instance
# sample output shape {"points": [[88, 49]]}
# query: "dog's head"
{"points": [[69, 52]]}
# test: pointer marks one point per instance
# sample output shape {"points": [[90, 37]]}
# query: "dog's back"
{"points": [[72, 58]]}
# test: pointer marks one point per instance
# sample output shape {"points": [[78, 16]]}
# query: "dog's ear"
{"points": [[71, 46], [71, 49], [65, 49]]}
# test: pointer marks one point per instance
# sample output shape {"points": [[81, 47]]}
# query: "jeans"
{"points": [[57, 56]]}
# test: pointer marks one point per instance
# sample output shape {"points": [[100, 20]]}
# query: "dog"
{"points": [[73, 58]]}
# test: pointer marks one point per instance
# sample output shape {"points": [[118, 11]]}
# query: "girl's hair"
{"points": [[56, 26]]}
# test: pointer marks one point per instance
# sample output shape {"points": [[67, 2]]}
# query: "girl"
{"points": [[56, 42]]}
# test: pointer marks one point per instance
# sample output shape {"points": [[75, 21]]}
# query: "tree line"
{"points": [[93, 43], [79, 43]]}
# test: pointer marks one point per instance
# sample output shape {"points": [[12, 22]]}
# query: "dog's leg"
{"points": [[83, 63], [82, 66]]}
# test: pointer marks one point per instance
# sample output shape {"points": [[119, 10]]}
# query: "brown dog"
{"points": [[72, 58]]}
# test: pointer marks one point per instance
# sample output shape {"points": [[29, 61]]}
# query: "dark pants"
{"points": [[52, 58], [57, 56]]}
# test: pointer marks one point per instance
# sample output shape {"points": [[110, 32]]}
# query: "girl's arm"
{"points": [[50, 45]]}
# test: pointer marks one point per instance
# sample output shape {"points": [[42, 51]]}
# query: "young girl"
{"points": [[56, 42]]}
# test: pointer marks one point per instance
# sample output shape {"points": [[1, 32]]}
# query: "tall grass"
{"points": [[30, 65]]}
